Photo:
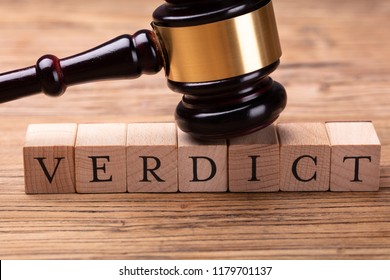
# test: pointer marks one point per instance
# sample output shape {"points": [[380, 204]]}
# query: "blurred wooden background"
{"points": [[335, 66]]}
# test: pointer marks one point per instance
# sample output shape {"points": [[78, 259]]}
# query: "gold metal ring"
{"points": [[222, 49]]}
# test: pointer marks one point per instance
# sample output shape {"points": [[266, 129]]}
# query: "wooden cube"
{"points": [[100, 158], [152, 157], [202, 165], [356, 149], [304, 157], [48, 155], [254, 162]]}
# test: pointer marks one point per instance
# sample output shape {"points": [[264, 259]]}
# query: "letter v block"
{"points": [[152, 157], [304, 157], [202, 164], [48, 155], [356, 149], [254, 162], [100, 158]]}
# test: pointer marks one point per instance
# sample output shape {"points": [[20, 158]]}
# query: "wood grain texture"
{"points": [[334, 67]]}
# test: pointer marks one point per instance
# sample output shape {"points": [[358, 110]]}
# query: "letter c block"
{"points": [[304, 157], [202, 164]]}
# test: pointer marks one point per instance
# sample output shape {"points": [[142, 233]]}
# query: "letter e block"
{"points": [[48, 155], [304, 157], [202, 165], [254, 162], [356, 150], [152, 157], [100, 158]]}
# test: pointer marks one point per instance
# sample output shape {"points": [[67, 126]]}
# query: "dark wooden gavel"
{"points": [[217, 53]]}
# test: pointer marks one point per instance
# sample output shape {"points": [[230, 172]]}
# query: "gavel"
{"points": [[217, 53]]}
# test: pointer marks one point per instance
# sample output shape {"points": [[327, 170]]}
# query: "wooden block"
{"points": [[202, 166], [304, 157], [152, 157], [355, 164], [48, 155], [254, 162], [100, 158]]}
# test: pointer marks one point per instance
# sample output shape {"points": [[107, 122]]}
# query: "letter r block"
{"points": [[202, 165], [356, 149], [152, 157], [48, 155], [304, 157], [100, 158]]}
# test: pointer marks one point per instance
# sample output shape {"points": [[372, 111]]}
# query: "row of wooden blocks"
{"points": [[159, 157]]}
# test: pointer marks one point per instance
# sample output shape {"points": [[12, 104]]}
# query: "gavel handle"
{"points": [[127, 56]]}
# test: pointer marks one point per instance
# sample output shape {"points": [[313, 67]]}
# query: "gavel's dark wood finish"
{"points": [[210, 109], [123, 57]]}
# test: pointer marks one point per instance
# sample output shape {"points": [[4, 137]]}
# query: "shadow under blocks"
{"points": [[158, 157]]}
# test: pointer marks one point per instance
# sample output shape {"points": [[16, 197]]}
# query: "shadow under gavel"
{"points": [[217, 54]]}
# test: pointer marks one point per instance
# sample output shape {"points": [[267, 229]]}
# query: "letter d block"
{"points": [[304, 157], [202, 165], [356, 153], [152, 157], [48, 156], [100, 158]]}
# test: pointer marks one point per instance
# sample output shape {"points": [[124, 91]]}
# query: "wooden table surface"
{"points": [[335, 66]]}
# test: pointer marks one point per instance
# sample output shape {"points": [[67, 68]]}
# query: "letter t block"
{"points": [[356, 153], [48, 155], [100, 158]]}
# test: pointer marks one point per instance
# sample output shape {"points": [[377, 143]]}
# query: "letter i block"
{"points": [[202, 165], [100, 158], [356, 150], [304, 157], [48, 155], [152, 157], [254, 162]]}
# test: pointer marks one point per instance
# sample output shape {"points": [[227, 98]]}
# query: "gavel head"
{"points": [[219, 54]]}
